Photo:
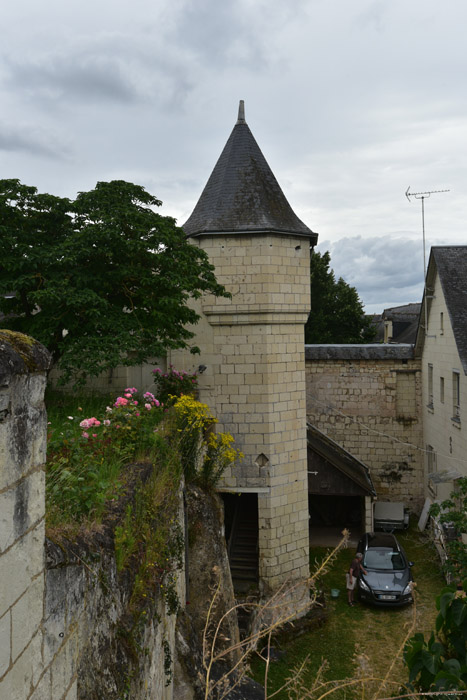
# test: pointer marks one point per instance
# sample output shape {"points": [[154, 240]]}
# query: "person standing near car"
{"points": [[356, 567]]}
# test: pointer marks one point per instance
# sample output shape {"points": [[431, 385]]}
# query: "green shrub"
{"points": [[441, 662], [172, 384]]}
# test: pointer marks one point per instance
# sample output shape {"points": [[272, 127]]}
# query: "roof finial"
{"points": [[241, 113]]}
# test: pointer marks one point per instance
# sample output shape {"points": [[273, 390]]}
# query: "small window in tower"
{"points": [[441, 389], [262, 460], [441, 323]]}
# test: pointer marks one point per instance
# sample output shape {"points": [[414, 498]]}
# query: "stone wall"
{"points": [[119, 378], [368, 399], [96, 645], [23, 365], [252, 347]]}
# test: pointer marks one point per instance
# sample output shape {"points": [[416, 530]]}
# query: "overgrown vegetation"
{"points": [[87, 454], [441, 662], [174, 383], [453, 511], [149, 540]]}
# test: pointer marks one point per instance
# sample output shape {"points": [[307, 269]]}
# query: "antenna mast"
{"points": [[423, 196]]}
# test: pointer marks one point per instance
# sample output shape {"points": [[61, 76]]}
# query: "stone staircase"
{"points": [[243, 545]]}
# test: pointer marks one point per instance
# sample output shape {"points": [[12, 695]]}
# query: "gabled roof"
{"points": [[451, 264], [407, 312], [242, 195], [342, 460]]}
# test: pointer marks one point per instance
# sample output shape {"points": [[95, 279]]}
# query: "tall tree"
{"points": [[336, 314], [101, 281]]}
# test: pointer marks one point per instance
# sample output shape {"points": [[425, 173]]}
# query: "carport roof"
{"points": [[342, 460]]}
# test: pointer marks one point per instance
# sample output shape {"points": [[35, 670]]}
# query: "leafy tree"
{"points": [[100, 281], [441, 662], [337, 314]]}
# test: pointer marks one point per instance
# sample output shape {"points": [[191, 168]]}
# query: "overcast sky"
{"points": [[351, 102]]}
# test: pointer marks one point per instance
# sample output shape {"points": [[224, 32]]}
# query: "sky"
{"points": [[351, 102]]}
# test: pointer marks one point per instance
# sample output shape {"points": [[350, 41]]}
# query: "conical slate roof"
{"points": [[242, 195]]}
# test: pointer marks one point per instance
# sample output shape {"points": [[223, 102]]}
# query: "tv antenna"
{"points": [[422, 196]]}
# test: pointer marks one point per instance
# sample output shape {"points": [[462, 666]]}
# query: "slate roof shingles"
{"points": [[451, 263], [242, 195]]}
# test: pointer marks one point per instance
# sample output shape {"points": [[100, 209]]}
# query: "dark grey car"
{"points": [[388, 580]]}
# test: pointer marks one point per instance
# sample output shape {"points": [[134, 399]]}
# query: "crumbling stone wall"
{"points": [[23, 366], [368, 399], [97, 645]]}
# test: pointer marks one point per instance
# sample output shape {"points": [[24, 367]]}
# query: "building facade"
{"points": [[442, 347]]}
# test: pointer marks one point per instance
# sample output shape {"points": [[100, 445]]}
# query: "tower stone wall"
{"points": [[252, 344], [253, 348]]}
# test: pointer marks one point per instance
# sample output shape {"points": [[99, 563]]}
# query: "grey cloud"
{"points": [[104, 68], [385, 270], [230, 34], [56, 77], [30, 140]]}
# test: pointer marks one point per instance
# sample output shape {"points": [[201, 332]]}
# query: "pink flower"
{"points": [[121, 401], [157, 403], [89, 422], [106, 422], [128, 396], [147, 406], [85, 435], [137, 414], [135, 403], [94, 435]]}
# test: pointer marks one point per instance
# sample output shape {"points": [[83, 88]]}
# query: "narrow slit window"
{"points": [[456, 395], [430, 386]]}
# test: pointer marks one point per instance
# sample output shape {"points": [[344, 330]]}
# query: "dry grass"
{"points": [[363, 641]]}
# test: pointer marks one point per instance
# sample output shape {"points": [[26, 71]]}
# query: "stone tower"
{"points": [[253, 346]]}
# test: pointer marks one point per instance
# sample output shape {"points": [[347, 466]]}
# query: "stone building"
{"points": [[252, 346], [442, 346], [367, 398]]}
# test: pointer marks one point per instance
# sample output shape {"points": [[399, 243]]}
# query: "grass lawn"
{"points": [[360, 641], [61, 404]]}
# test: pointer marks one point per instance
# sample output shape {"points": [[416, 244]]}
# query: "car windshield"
{"points": [[383, 560]]}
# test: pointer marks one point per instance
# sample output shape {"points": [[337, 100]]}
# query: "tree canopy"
{"points": [[102, 280], [337, 314]]}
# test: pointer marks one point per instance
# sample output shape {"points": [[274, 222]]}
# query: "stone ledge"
{"points": [[21, 354], [377, 351]]}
